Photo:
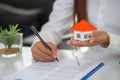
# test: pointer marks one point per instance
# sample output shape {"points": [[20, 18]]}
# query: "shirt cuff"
{"points": [[113, 41]]}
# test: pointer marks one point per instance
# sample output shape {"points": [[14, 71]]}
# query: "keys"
{"points": [[76, 53]]}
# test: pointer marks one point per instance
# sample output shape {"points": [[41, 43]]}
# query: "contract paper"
{"points": [[63, 70]]}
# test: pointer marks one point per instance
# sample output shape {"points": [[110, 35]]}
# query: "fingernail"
{"points": [[91, 41], [69, 43], [54, 56]]}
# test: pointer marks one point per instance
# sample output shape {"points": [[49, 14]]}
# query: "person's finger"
{"points": [[37, 58], [81, 43], [38, 55], [42, 55], [92, 42], [69, 42], [53, 48], [44, 50]]}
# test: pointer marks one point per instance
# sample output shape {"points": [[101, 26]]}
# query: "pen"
{"points": [[43, 42], [92, 71]]}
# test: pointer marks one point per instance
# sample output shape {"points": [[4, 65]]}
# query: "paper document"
{"points": [[63, 70]]}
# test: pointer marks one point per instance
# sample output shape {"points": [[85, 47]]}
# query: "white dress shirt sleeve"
{"points": [[59, 22], [114, 42]]}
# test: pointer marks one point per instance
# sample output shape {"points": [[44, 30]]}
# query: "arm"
{"points": [[59, 21], [114, 42], [104, 39]]}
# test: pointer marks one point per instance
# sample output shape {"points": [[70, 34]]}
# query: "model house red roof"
{"points": [[83, 26]]}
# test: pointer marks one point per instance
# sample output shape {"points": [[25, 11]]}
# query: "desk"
{"points": [[14, 64], [110, 71], [11, 65]]}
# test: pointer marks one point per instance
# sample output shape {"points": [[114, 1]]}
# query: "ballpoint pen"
{"points": [[42, 41]]}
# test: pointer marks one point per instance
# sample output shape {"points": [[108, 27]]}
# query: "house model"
{"points": [[83, 30]]}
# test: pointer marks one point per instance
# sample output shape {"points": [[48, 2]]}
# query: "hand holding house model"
{"points": [[83, 30]]}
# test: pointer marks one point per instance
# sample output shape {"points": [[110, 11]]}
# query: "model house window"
{"points": [[78, 35], [90, 35], [87, 36]]}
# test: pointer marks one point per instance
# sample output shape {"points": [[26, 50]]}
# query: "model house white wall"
{"points": [[82, 35]]}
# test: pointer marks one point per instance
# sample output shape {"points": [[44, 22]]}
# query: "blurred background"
{"points": [[25, 13]]}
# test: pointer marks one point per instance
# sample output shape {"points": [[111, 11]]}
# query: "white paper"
{"points": [[63, 70]]}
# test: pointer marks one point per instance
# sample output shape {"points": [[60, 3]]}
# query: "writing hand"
{"points": [[41, 53]]}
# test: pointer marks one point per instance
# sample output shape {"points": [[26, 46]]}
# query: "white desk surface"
{"points": [[110, 71]]}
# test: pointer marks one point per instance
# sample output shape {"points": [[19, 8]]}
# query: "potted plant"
{"points": [[10, 40]]}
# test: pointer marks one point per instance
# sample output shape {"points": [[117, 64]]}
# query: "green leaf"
{"points": [[8, 37]]}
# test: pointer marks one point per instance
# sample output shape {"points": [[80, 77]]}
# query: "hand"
{"points": [[98, 38], [41, 53]]}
